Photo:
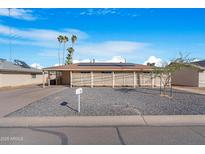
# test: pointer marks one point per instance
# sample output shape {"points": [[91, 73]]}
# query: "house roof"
{"points": [[101, 67], [200, 63], [6, 66]]}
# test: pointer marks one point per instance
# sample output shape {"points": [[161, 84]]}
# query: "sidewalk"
{"points": [[191, 89], [165, 120]]}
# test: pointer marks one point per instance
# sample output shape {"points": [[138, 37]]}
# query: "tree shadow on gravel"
{"points": [[154, 91], [139, 90]]}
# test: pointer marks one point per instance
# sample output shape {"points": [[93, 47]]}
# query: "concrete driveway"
{"points": [[14, 99], [196, 90]]}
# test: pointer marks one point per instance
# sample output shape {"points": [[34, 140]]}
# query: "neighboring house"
{"points": [[104, 74], [191, 76], [18, 74]]}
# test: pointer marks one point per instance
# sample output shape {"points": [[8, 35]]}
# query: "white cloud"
{"points": [[110, 48], [195, 60], [56, 64], [100, 50], [36, 65], [158, 61], [38, 37], [41, 34], [81, 61], [115, 59], [115, 11], [96, 12], [24, 14]]}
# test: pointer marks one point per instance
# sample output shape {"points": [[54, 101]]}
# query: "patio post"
{"points": [[43, 79], [91, 79], [152, 78], [113, 79], [49, 83], [71, 79], [56, 77], [134, 79]]}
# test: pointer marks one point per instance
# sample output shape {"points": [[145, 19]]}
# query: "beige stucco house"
{"points": [[104, 74], [18, 73], [191, 76]]}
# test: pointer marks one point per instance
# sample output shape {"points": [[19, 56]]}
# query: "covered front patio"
{"points": [[102, 75], [100, 78]]}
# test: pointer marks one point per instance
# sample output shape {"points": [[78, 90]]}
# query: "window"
{"points": [[33, 76], [108, 72], [85, 72]]}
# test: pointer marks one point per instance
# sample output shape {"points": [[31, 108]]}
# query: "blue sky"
{"points": [[103, 34]]}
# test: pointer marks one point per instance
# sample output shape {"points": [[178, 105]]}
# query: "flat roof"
{"points": [[100, 67]]}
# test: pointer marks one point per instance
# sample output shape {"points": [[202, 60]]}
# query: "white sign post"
{"points": [[78, 92]]}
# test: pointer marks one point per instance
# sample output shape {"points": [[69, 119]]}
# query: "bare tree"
{"points": [[165, 73]]}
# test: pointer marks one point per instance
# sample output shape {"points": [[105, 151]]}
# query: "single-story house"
{"points": [[191, 76], [95, 74], [18, 73]]}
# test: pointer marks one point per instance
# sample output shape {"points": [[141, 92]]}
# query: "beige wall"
{"points": [[145, 79], [102, 79], [124, 79], [12, 80], [157, 81], [105, 79], [202, 79], [186, 77], [81, 79]]}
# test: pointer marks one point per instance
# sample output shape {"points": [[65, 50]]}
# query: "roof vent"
{"points": [[150, 64], [21, 63]]}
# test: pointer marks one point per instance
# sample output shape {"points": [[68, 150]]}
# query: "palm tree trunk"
{"points": [[59, 61], [63, 53]]}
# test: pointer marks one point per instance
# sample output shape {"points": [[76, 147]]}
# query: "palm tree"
{"points": [[60, 40], [64, 40], [10, 38], [70, 55], [73, 39], [71, 50]]}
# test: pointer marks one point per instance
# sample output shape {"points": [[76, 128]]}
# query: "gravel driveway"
{"points": [[118, 101]]}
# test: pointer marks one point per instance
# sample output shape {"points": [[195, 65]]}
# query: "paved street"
{"points": [[14, 99], [104, 135]]}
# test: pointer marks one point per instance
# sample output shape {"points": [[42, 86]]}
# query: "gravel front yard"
{"points": [[118, 101]]}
